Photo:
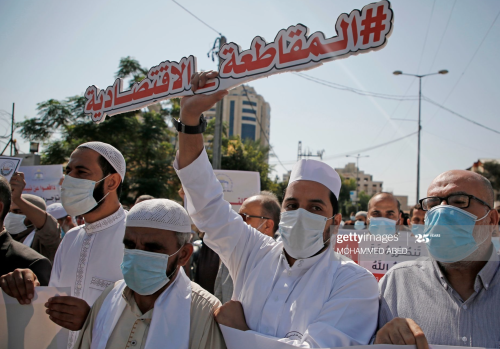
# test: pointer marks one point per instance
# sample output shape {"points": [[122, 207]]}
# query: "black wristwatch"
{"points": [[191, 130]]}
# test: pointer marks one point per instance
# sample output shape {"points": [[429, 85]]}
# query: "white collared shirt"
{"points": [[88, 259]]}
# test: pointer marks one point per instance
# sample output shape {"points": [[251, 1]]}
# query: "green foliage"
{"points": [[492, 172]]}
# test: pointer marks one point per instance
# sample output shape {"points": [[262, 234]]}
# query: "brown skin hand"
{"points": [[84, 164], [313, 197]]}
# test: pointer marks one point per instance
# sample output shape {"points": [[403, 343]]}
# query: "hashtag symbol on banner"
{"points": [[373, 25]]}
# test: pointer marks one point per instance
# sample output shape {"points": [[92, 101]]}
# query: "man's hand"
{"points": [[20, 284], [68, 312], [193, 106], [402, 331], [231, 314], [17, 184]]}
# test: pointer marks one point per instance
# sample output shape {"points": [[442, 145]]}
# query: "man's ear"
{"points": [[185, 254], [269, 226], [112, 182], [409, 222]]}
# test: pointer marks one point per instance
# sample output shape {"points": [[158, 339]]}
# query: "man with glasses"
{"points": [[453, 297], [261, 212]]}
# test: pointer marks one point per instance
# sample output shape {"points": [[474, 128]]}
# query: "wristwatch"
{"points": [[191, 130]]}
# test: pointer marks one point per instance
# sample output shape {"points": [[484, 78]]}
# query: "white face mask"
{"points": [[14, 223], [77, 195], [302, 233]]}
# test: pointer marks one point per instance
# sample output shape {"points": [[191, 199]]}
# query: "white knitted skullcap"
{"points": [[57, 211], [316, 171], [110, 153], [160, 214]]}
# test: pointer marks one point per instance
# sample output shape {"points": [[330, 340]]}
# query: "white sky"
{"points": [[55, 49]]}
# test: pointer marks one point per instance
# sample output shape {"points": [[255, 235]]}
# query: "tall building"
{"points": [[364, 181], [247, 116], [478, 167]]}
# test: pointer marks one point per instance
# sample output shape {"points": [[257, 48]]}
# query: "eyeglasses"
{"points": [[246, 216], [457, 200]]}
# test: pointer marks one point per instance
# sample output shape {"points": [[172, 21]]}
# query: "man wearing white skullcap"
{"points": [[156, 305], [66, 222], [298, 290], [89, 257]]}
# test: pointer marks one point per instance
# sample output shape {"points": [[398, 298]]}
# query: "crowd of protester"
{"points": [[168, 273]]}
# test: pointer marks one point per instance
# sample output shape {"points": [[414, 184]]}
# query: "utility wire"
{"points": [[468, 64], [265, 135], [355, 90], [192, 14], [442, 36], [426, 34], [361, 150], [460, 116]]}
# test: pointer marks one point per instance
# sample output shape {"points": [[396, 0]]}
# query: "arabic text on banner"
{"points": [[43, 181]]}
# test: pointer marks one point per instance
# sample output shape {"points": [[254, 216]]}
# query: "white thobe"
{"points": [[88, 259], [323, 301]]}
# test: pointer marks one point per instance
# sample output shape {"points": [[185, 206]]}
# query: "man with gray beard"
{"points": [[453, 297]]}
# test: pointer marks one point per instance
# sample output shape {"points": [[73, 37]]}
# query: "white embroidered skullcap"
{"points": [[316, 171], [110, 153], [160, 214], [57, 211]]}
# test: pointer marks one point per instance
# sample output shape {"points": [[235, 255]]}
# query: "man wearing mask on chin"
{"points": [[383, 214], [28, 221], [297, 290], [453, 297], [155, 305], [89, 257]]}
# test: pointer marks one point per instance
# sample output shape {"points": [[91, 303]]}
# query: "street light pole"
{"points": [[357, 173], [399, 72]]}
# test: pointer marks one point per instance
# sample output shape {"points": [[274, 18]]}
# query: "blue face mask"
{"points": [[382, 226], [496, 243], [352, 218], [449, 233], [417, 229], [145, 272], [359, 225]]}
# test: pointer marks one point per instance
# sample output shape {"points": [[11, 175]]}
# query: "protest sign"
{"points": [[9, 165], [28, 326], [238, 185], [236, 339], [292, 50], [43, 181]]}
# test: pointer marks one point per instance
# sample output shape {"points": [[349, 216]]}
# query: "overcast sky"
{"points": [[55, 49]]}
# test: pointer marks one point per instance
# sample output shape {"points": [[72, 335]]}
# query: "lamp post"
{"points": [[357, 173], [399, 72]]}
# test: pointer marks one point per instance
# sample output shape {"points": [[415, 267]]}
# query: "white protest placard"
{"points": [[236, 339], [43, 181], [378, 256], [238, 185], [9, 165], [28, 326], [292, 50]]}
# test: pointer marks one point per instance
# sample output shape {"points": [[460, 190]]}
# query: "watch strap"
{"points": [[192, 130]]}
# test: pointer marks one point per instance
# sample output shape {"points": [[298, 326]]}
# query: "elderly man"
{"points": [[14, 255], [65, 221], [453, 298], [28, 221], [297, 290], [383, 214], [262, 212], [156, 305], [88, 258]]}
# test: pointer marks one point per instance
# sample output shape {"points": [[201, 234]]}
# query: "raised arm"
{"points": [[36, 215], [191, 146]]}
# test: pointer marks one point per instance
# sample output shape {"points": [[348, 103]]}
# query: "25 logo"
{"points": [[422, 238]]}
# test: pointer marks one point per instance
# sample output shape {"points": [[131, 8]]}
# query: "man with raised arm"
{"points": [[297, 290]]}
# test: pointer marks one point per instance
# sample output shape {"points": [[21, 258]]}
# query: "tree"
{"points": [[492, 172]]}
